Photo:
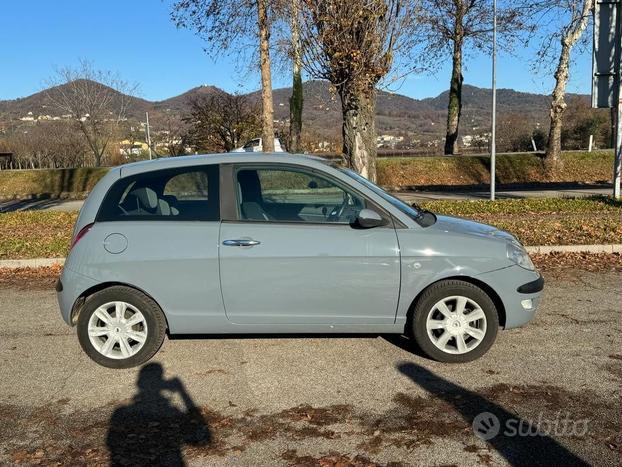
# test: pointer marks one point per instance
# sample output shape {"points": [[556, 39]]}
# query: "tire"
{"points": [[100, 321], [430, 321]]}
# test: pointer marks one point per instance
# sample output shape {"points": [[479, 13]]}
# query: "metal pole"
{"points": [[493, 133], [148, 136], [618, 109], [590, 143]]}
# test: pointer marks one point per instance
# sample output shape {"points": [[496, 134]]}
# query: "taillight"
{"points": [[81, 234]]}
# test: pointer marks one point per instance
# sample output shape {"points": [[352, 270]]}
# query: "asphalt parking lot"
{"points": [[319, 401]]}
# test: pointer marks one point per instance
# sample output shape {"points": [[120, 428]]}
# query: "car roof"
{"points": [[219, 158]]}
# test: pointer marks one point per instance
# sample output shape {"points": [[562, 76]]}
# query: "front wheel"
{"points": [[120, 327], [455, 321]]}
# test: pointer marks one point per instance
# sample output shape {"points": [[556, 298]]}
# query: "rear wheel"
{"points": [[120, 327], [455, 321]]}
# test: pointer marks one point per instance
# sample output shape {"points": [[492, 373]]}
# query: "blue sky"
{"points": [[137, 39]]}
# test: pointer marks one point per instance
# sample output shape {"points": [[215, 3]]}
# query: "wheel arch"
{"points": [[84, 296], [494, 296]]}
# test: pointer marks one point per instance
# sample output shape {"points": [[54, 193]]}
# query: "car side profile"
{"points": [[279, 243]]}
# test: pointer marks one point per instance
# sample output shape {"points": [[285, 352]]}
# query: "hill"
{"points": [[423, 119]]}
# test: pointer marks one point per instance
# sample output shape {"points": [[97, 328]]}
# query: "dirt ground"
{"points": [[330, 401]]}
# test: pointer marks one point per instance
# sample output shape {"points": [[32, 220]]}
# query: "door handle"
{"points": [[241, 242]]}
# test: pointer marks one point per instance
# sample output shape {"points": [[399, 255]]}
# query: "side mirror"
{"points": [[369, 218]]}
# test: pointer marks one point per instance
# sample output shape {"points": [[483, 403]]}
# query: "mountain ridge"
{"points": [[396, 113]]}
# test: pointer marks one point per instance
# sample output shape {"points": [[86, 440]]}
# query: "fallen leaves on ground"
{"points": [[550, 221], [561, 265], [30, 278], [35, 234]]}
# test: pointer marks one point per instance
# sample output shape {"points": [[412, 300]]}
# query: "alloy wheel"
{"points": [[117, 330], [456, 324]]}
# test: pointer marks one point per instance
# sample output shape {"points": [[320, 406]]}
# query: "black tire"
{"points": [[448, 288], [156, 325]]}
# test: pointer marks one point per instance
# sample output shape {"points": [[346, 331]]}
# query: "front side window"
{"points": [[189, 193], [291, 195]]}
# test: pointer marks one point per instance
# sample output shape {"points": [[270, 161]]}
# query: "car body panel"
{"points": [[176, 263], [323, 273]]}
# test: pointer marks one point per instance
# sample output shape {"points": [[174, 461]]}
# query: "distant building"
{"points": [[132, 148], [388, 141], [28, 118]]}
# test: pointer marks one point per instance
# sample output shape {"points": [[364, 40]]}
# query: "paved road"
{"points": [[418, 196], [41, 205], [408, 196], [302, 401]]}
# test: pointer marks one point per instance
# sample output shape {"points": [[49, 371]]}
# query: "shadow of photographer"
{"points": [[152, 430], [489, 421]]}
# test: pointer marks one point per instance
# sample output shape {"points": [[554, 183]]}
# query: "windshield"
{"points": [[410, 211]]}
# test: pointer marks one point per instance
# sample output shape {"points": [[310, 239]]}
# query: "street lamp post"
{"points": [[493, 132]]}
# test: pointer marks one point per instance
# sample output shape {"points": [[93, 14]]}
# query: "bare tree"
{"points": [[222, 121], [447, 26], [47, 144], [226, 24], [569, 19], [97, 101], [352, 43], [169, 133]]}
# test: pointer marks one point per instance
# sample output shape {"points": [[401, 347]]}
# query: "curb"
{"points": [[30, 263], [538, 250], [548, 249]]}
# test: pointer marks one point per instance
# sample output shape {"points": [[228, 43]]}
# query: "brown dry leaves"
{"points": [[29, 278], [560, 265], [35, 234]]}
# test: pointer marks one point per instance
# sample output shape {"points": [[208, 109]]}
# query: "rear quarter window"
{"points": [[183, 194]]}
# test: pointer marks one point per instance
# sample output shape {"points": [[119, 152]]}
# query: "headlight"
{"points": [[518, 255]]}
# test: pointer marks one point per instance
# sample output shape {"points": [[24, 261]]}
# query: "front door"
{"points": [[294, 258]]}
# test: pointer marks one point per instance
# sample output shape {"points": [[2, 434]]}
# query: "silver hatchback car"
{"points": [[276, 243]]}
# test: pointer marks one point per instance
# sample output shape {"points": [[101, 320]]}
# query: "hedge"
{"points": [[576, 167], [72, 183]]}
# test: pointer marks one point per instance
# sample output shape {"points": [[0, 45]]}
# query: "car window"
{"points": [[292, 195], [188, 185], [172, 194]]}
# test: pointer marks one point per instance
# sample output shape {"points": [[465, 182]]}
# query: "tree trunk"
{"points": [[296, 100], [558, 104], [267, 114], [454, 109], [359, 130]]}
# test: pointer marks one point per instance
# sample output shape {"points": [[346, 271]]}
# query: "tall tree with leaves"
{"points": [[352, 44], [567, 21], [226, 24], [448, 26], [296, 101]]}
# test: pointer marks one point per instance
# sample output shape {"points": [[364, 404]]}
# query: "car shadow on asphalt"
{"points": [[493, 423], [151, 430]]}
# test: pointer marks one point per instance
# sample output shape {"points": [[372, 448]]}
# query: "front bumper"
{"points": [[520, 291]]}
